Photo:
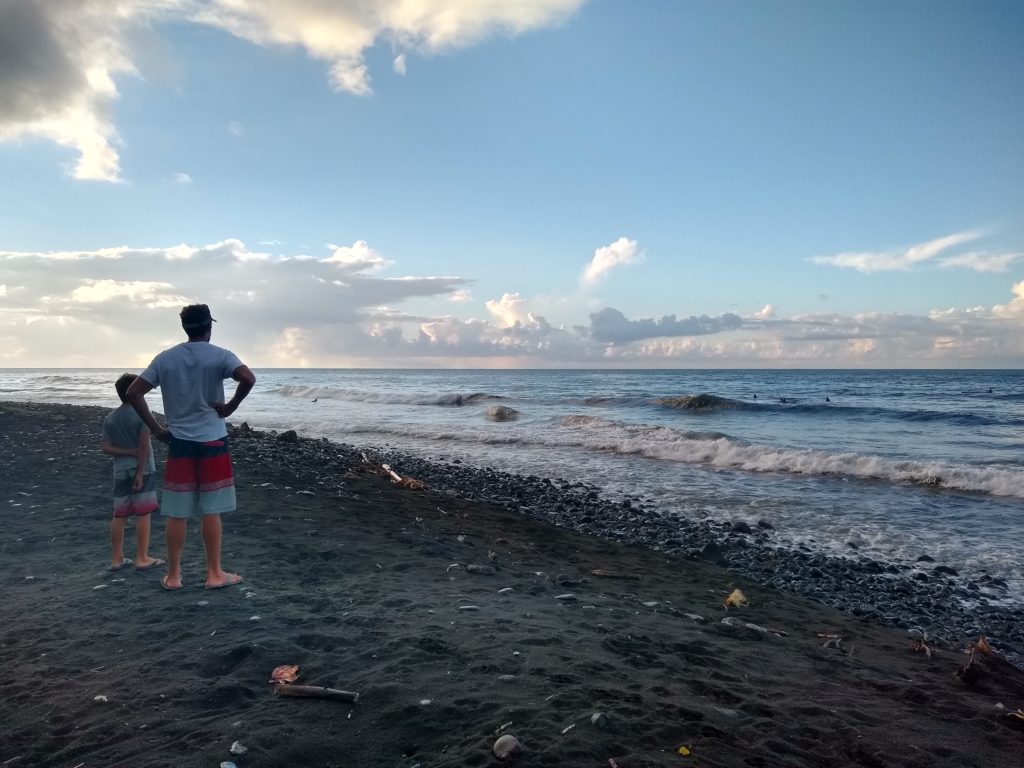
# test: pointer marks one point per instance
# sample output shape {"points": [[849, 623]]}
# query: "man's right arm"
{"points": [[136, 395]]}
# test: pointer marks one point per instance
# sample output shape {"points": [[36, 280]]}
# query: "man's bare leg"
{"points": [[215, 576], [117, 542], [176, 528]]}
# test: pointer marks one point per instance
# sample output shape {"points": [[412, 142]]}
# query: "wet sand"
{"points": [[364, 585]]}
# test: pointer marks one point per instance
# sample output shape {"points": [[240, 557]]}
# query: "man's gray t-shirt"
{"points": [[122, 427], [191, 377]]}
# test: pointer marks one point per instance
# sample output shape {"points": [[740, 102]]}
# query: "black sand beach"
{"points": [[366, 586]]}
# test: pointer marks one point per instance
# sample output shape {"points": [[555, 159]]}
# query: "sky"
{"points": [[514, 183]]}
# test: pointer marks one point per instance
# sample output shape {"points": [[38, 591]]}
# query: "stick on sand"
{"points": [[315, 692]]}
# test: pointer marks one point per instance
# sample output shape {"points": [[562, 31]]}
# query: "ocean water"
{"points": [[900, 463]]}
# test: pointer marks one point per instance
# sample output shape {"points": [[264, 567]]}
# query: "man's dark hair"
{"points": [[196, 320], [123, 382]]}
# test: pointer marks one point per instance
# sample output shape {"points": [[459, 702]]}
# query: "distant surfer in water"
{"points": [[827, 399]]}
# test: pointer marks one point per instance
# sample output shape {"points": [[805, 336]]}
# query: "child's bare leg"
{"points": [[142, 532], [175, 528], [117, 542]]}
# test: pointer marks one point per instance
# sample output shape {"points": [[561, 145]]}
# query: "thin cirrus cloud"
{"points": [[61, 59], [906, 258], [606, 258]]}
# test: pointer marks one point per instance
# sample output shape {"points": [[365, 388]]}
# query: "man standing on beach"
{"points": [[198, 477]]}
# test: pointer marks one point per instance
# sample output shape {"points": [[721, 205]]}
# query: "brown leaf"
{"points": [[286, 673], [735, 598]]}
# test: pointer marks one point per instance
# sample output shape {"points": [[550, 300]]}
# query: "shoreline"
{"points": [[365, 585]]}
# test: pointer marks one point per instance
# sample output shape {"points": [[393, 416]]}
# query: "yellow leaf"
{"points": [[736, 598], [684, 751]]}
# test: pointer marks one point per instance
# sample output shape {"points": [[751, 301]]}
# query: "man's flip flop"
{"points": [[233, 579], [152, 565], [124, 564], [163, 583]]}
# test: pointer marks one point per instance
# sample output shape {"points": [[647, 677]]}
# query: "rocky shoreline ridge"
{"points": [[931, 601]]}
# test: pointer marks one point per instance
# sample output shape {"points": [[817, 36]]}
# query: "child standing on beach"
{"points": [[126, 438]]}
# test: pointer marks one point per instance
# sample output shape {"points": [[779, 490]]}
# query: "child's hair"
{"points": [[123, 382]]}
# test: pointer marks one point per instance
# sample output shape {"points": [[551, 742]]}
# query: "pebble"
{"points": [[238, 748], [100, 697], [506, 591], [425, 702], [507, 746], [228, 764], [203, 602], [483, 570], [567, 597], [506, 678], [599, 720], [900, 594], [469, 608]]}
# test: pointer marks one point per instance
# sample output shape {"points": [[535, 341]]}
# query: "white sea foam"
{"points": [[724, 452]]}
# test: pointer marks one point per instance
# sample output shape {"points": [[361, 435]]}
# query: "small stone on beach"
{"points": [[238, 748], [507, 746], [568, 597]]}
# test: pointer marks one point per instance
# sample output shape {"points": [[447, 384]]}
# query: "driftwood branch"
{"points": [[315, 692], [615, 575]]}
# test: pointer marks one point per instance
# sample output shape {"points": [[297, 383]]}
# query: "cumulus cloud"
{"points": [[509, 309], [898, 260], [610, 325], [607, 257], [60, 59], [134, 293], [116, 306], [767, 312], [182, 178], [358, 256]]}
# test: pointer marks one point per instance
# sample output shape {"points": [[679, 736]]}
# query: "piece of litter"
{"points": [[238, 748], [469, 608], [100, 697], [684, 751], [501, 728], [568, 728], [425, 702], [505, 591], [254, 618], [100, 586]]}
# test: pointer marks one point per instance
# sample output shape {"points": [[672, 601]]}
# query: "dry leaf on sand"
{"points": [[286, 673], [735, 598]]}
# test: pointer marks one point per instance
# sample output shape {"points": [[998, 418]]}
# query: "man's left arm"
{"points": [[246, 381]]}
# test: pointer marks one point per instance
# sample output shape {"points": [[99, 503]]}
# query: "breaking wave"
{"points": [[439, 398], [720, 451]]}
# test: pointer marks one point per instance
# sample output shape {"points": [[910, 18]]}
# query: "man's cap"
{"points": [[196, 316]]}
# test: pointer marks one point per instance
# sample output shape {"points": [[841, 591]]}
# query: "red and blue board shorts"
{"points": [[129, 502], [198, 478]]}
